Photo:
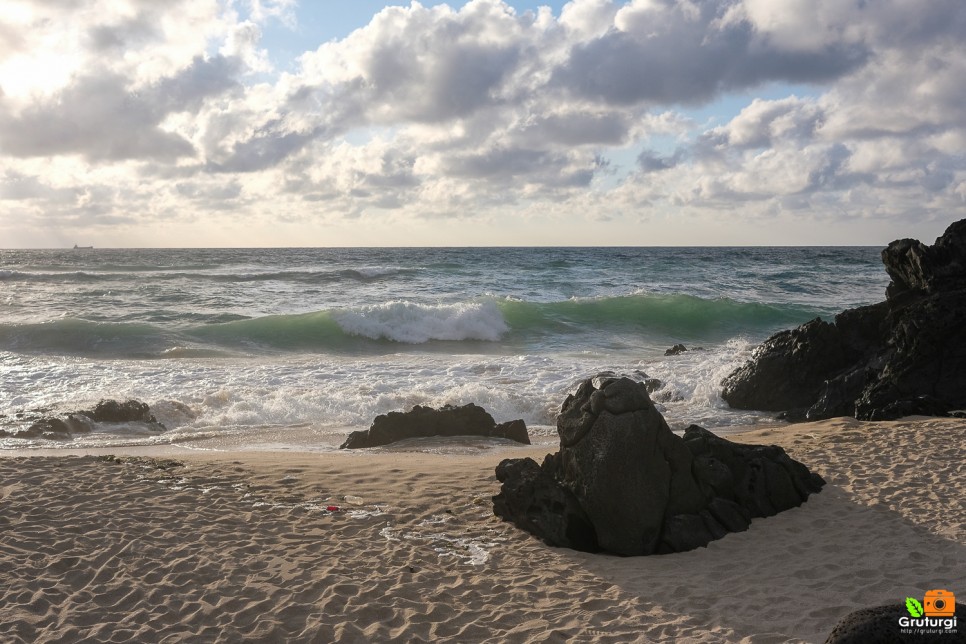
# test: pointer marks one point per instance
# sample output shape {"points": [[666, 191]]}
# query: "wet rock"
{"points": [[906, 355], [112, 411], [448, 421], [795, 364], [51, 428], [680, 348], [623, 477], [514, 430], [82, 422]]}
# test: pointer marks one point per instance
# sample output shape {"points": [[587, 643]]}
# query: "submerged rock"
{"points": [[906, 355], [82, 422], [448, 421], [622, 482], [680, 348], [112, 411]]}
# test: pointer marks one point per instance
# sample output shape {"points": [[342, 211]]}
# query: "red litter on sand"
{"points": [[332, 508]]}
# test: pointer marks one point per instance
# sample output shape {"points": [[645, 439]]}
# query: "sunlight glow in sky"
{"points": [[482, 122]]}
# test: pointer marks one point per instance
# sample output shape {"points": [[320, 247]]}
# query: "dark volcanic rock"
{"points": [[796, 363], [906, 355], [82, 422], [51, 428], [680, 348], [624, 483], [529, 490], [917, 268], [421, 422], [112, 411], [880, 624]]}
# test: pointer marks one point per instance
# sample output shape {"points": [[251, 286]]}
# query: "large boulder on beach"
{"points": [[623, 483], [424, 422], [881, 624], [906, 355]]}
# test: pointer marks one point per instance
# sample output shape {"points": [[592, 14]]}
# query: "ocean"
{"points": [[293, 348]]}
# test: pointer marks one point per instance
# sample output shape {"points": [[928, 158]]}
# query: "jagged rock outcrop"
{"points": [[906, 355], [622, 482], [448, 421]]}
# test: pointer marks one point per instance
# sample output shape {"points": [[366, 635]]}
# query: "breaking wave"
{"points": [[381, 326]]}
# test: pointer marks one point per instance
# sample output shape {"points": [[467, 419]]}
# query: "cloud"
{"points": [[101, 117], [576, 128], [650, 161], [174, 110], [665, 53], [766, 123], [264, 150]]}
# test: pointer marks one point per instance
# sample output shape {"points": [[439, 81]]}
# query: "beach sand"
{"points": [[239, 546]]}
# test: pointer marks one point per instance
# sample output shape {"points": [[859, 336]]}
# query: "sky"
{"points": [[187, 123]]}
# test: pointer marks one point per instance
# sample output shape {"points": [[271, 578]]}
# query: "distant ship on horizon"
{"points": [[76, 247]]}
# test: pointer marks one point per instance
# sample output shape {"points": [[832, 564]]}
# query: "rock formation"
{"points": [[111, 411], [678, 349], [622, 482], [82, 422], [881, 624], [421, 422], [906, 355]]}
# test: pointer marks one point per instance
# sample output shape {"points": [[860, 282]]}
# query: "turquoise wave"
{"points": [[686, 315], [485, 324]]}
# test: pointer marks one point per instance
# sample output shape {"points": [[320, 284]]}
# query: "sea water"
{"points": [[237, 341]]}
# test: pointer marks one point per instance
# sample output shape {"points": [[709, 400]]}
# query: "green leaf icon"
{"points": [[914, 607]]}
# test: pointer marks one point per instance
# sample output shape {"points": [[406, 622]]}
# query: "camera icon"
{"points": [[939, 603]]}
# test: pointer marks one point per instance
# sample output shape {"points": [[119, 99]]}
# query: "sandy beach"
{"points": [[240, 546]]}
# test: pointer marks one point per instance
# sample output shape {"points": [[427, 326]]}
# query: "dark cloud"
{"points": [[95, 116], [832, 174], [650, 161], [430, 67], [396, 173], [938, 176], [576, 128], [498, 162], [914, 25], [15, 186], [105, 38], [670, 56], [519, 167], [264, 150]]}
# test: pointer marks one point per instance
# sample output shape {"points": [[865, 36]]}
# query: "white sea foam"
{"points": [[265, 401], [417, 323], [370, 272], [692, 386]]}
